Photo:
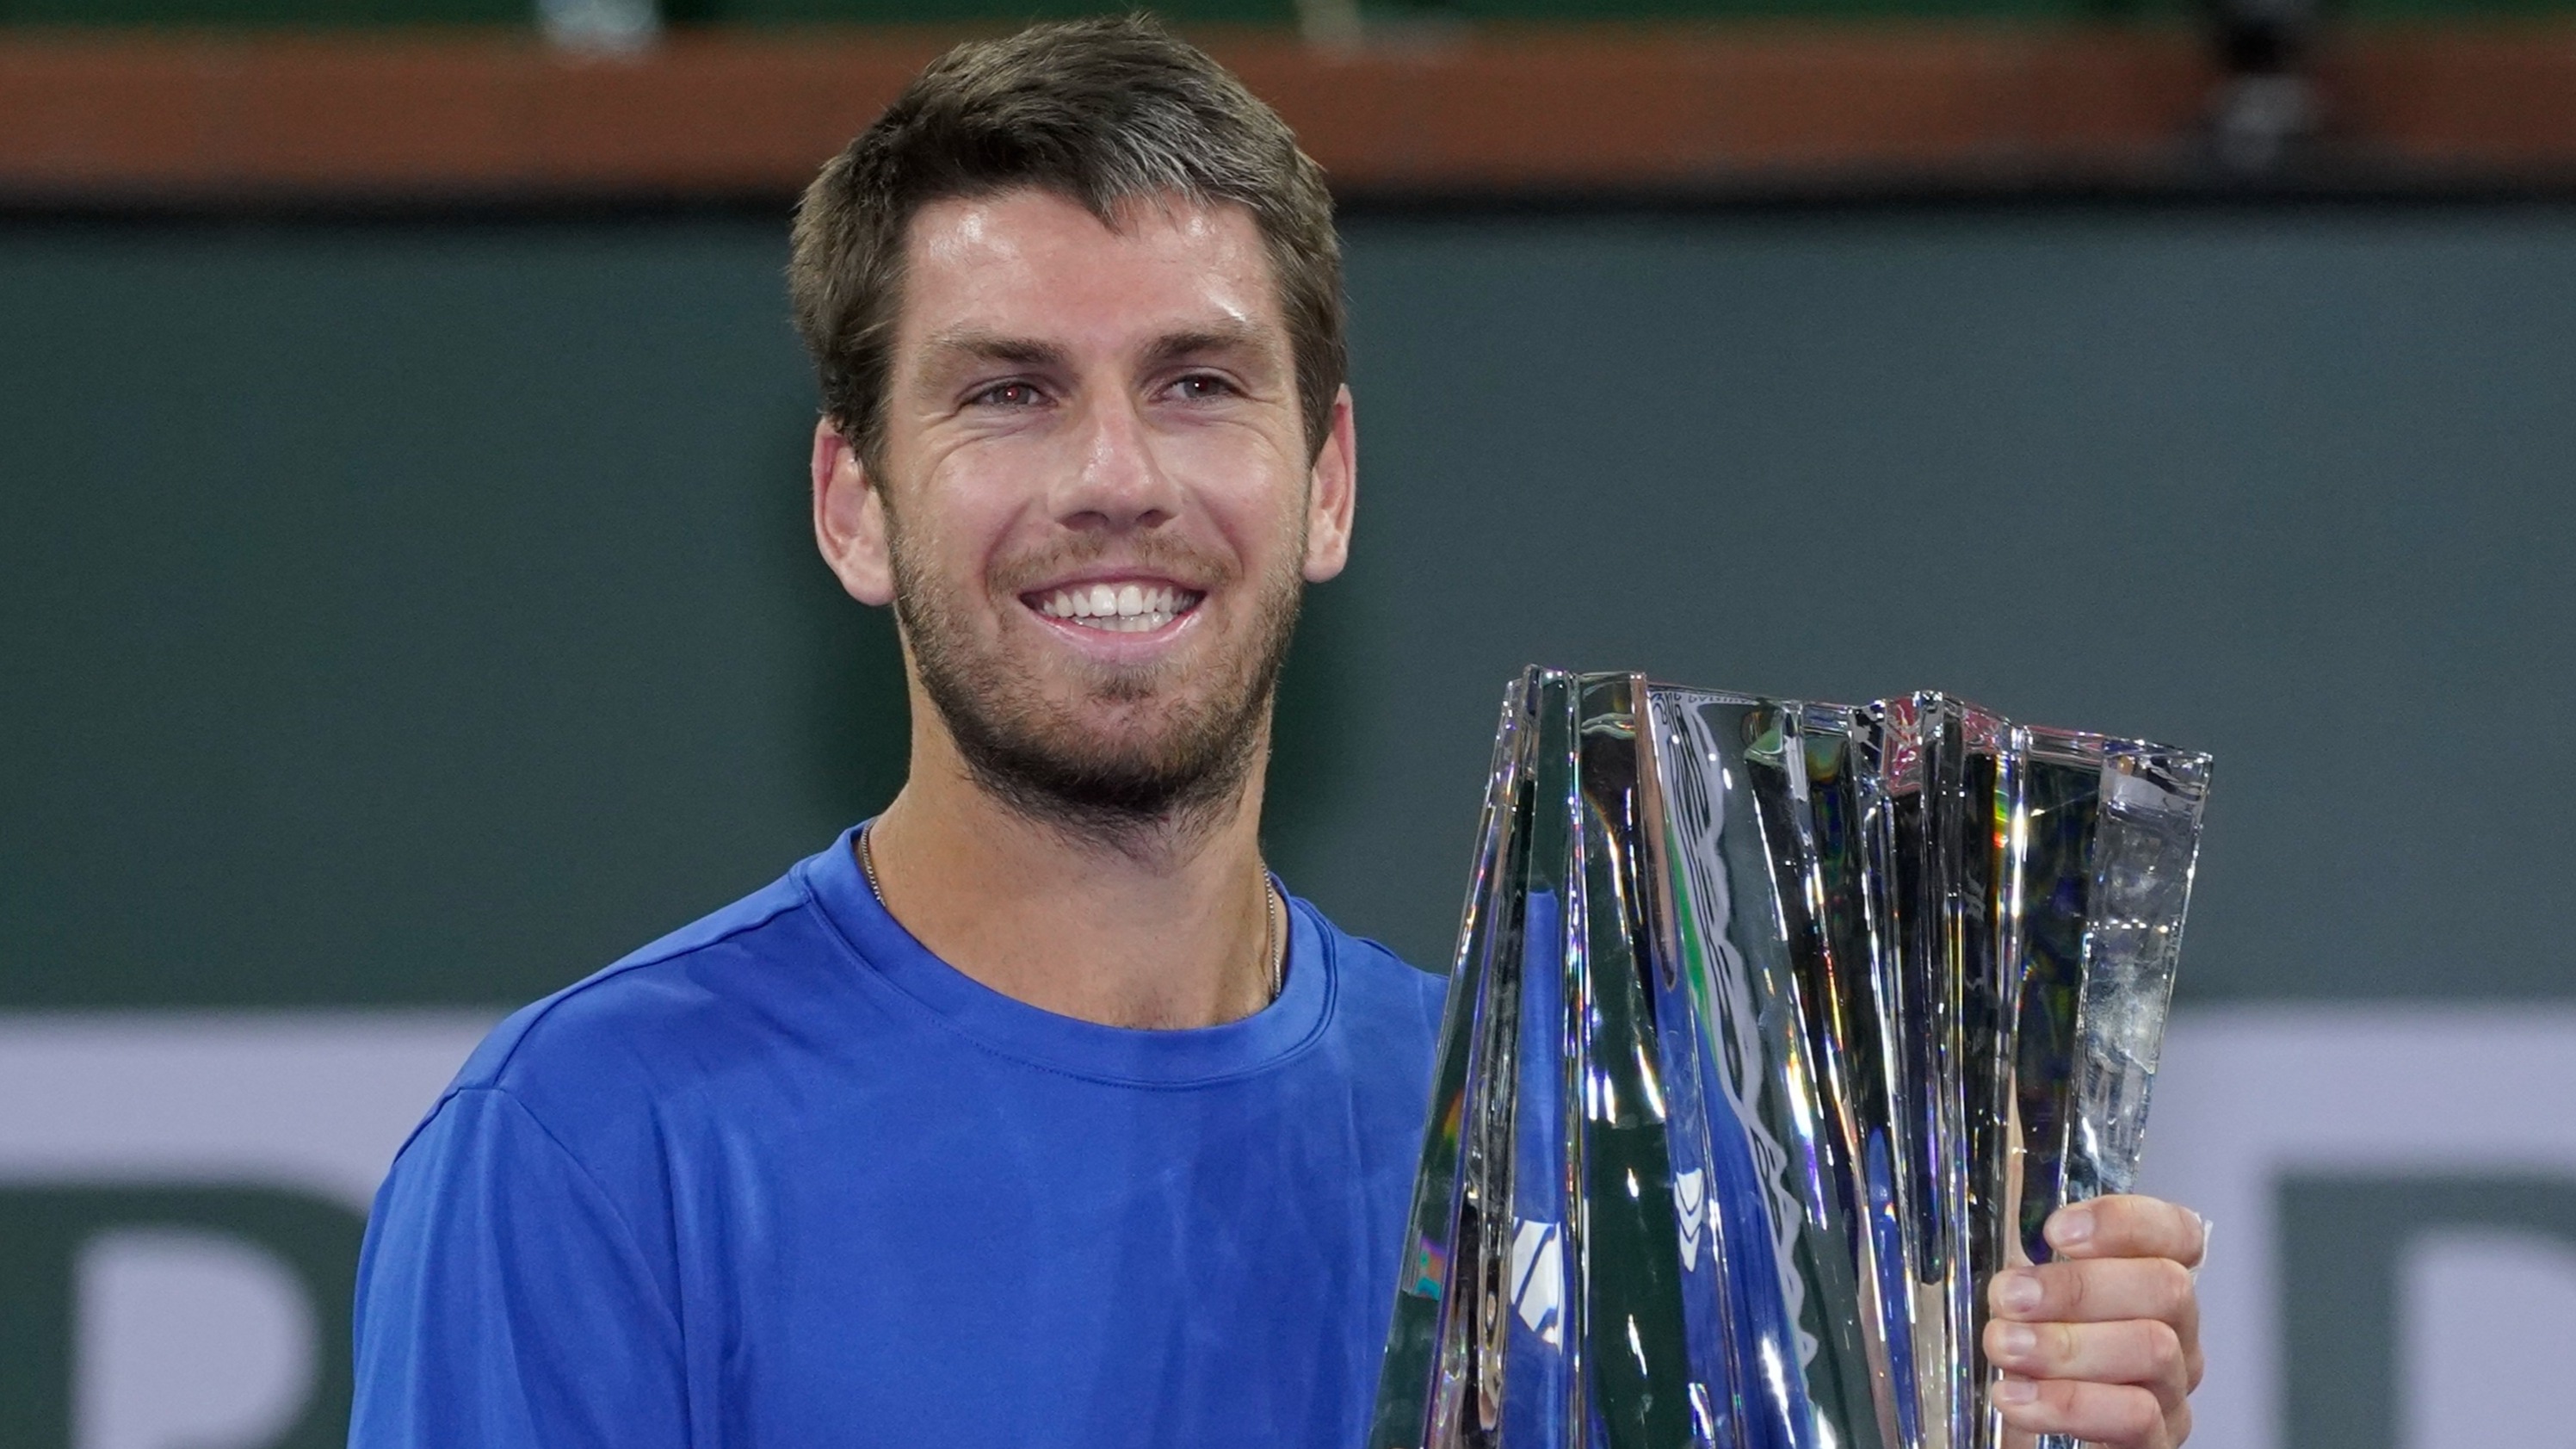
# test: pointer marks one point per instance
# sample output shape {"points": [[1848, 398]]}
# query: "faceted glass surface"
{"points": [[1776, 1029]]}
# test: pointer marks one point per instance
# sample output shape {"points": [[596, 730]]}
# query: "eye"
{"points": [[1201, 386], [1008, 395]]}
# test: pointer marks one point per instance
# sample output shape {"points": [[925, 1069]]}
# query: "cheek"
{"points": [[965, 524], [1252, 494]]}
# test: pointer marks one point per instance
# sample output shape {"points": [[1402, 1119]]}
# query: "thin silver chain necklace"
{"points": [[1270, 952]]}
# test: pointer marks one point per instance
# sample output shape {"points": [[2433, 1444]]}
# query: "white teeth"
{"points": [[1120, 609]]}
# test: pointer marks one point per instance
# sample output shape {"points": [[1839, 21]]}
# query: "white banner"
{"points": [[191, 1168], [203, 1173], [2441, 1112]]}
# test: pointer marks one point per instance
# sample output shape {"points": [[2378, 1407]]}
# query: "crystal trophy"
{"points": [[1776, 1029]]}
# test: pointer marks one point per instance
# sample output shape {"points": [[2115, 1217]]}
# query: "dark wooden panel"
{"points": [[755, 112]]}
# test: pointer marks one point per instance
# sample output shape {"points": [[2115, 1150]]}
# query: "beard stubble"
{"points": [[1155, 778]]}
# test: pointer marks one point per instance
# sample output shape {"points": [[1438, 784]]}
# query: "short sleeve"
{"points": [[503, 1302]]}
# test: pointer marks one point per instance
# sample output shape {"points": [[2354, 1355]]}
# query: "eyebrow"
{"points": [[976, 345], [1232, 336]]}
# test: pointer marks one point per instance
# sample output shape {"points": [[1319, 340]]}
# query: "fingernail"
{"points": [[2016, 1340], [2071, 1227], [2017, 1292], [2015, 1391]]}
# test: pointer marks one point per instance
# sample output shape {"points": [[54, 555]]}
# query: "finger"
{"points": [[2128, 1226], [2103, 1290], [2110, 1414], [2141, 1352]]}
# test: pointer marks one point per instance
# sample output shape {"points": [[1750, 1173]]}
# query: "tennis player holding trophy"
{"points": [[1036, 1111]]}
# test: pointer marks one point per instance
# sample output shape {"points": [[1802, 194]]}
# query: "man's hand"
{"points": [[2104, 1343]]}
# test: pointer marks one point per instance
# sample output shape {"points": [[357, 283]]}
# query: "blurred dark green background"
{"points": [[423, 612]]}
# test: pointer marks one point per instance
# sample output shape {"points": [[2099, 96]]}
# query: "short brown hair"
{"points": [[1102, 112]]}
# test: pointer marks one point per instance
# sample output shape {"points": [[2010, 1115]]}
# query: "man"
{"points": [[1032, 1112]]}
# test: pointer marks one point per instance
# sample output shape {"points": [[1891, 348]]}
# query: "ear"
{"points": [[850, 519], [1331, 492]]}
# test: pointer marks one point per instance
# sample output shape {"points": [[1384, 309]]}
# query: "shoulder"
{"points": [[1380, 992], [567, 1115], [1383, 1045], [663, 1018]]}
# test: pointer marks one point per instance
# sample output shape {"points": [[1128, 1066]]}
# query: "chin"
{"points": [[1130, 740]]}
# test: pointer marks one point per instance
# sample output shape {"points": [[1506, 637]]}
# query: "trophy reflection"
{"points": [[1775, 1029]]}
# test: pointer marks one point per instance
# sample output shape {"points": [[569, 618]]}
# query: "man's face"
{"points": [[1096, 506]]}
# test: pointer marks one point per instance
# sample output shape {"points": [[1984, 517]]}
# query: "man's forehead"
{"points": [[1035, 263]]}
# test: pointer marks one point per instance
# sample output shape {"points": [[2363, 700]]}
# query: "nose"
{"points": [[1117, 484]]}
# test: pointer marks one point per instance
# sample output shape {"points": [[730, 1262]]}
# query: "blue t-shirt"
{"points": [[784, 1179]]}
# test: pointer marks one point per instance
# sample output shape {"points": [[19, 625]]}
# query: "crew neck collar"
{"points": [[1120, 1055]]}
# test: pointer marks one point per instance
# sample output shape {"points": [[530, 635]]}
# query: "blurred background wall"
{"points": [[406, 604]]}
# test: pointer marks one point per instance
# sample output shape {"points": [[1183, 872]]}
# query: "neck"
{"points": [[1164, 927]]}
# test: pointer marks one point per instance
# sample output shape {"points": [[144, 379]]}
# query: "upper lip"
{"points": [[1114, 578]]}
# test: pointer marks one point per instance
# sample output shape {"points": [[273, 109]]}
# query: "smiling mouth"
{"points": [[1117, 608]]}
